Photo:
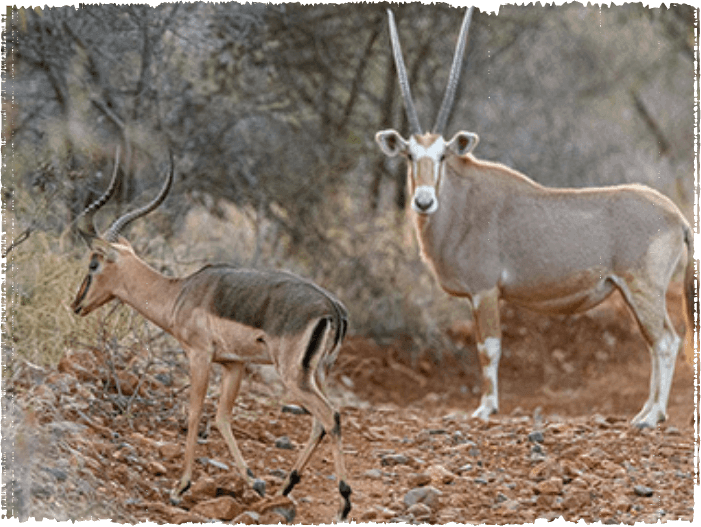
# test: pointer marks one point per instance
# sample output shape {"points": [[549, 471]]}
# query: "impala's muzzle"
{"points": [[76, 306], [425, 200]]}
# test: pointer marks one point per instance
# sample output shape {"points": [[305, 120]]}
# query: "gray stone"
{"points": [[427, 495]]}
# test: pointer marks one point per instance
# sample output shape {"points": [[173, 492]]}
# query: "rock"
{"points": [[390, 460], [643, 491], [230, 483], [575, 498], [247, 518], [419, 479], [203, 488], [169, 451], [440, 474], [284, 443], [156, 468], [373, 473], [218, 464], [420, 511], [428, 495], [294, 409], [280, 505], [536, 436], [549, 486], [222, 508]]}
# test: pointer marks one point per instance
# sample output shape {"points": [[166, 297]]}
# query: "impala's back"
{"points": [[251, 308]]}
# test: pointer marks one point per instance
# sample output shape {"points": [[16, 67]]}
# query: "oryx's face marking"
{"points": [[426, 155]]}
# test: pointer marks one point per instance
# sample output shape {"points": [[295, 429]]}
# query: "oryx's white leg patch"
{"points": [[490, 353], [664, 355]]}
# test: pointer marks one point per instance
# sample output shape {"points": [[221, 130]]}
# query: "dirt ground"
{"points": [[561, 445]]}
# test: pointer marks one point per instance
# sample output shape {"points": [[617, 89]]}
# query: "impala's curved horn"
{"points": [[113, 232], [454, 76], [86, 219], [403, 79]]}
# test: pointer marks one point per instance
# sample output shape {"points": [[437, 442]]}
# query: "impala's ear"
{"points": [[463, 143], [105, 248], [391, 142]]}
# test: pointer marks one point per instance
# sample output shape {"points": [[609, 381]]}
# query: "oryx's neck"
{"points": [[150, 293], [465, 227], [434, 230]]}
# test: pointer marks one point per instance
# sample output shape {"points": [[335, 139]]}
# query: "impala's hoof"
{"points": [[259, 487], [176, 495]]}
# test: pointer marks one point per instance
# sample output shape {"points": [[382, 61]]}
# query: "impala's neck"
{"points": [[149, 292]]}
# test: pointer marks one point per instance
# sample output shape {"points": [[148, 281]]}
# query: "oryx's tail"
{"points": [[692, 304]]}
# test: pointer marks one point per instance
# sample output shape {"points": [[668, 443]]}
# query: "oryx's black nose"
{"points": [[423, 203], [425, 200]]}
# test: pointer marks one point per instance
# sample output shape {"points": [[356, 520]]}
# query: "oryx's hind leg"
{"points": [[485, 309], [647, 302], [232, 373]]}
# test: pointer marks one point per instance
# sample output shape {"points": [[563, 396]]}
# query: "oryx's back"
{"points": [[277, 302]]}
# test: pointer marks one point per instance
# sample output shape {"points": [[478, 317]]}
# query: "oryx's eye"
{"points": [[94, 264], [442, 158], [409, 157]]}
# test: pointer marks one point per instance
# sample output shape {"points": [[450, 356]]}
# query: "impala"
{"points": [[488, 232], [232, 317]]}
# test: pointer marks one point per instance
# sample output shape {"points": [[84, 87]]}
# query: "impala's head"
{"points": [[109, 253], [106, 272], [427, 154]]}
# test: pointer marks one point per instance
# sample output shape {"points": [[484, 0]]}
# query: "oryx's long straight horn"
{"points": [[86, 219], [454, 76], [403, 79], [113, 232]]}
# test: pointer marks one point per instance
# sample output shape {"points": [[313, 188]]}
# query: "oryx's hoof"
{"points": [[483, 412], [649, 419]]}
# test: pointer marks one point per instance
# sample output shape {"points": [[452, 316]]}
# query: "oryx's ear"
{"points": [[391, 142], [105, 248], [462, 143]]}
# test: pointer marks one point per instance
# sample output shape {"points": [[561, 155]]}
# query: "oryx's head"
{"points": [[110, 253], [427, 154]]}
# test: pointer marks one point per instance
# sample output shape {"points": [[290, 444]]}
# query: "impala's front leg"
{"points": [[485, 308], [199, 377], [232, 373]]}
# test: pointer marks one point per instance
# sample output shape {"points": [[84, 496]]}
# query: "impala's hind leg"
{"points": [[326, 418], [317, 434], [301, 377], [232, 373], [648, 305], [486, 314]]}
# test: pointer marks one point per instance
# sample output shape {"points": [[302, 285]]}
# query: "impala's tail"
{"points": [[690, 299]]}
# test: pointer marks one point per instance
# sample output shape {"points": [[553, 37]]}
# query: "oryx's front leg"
{"points": [[485, 309], [199, 378]]}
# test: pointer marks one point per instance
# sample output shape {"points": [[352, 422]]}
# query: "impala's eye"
{"points": [[94, 264]]}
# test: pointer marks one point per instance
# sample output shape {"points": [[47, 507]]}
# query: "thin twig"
{"points": [[21, 238]]}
